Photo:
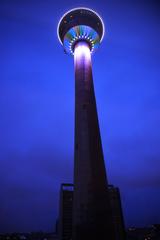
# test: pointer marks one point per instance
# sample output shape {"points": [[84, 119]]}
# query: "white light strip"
{"points": [[103, 27]]}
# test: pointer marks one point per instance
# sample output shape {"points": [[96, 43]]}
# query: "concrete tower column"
{"points": [[91, 208]]}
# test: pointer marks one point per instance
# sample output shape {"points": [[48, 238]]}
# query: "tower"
{"points": [[80, 31]]}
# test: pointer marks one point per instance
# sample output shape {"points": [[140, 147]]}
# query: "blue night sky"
{"points": [[37, 109]]}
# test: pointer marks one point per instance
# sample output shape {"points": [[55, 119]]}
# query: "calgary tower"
{"points": [[80, 31]]}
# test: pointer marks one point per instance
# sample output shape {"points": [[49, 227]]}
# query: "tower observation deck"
{"points": [[81, 31]]}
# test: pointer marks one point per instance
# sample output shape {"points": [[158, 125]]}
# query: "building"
{"points": [[65, 212], [117, 213], [66, 206], [80, 31]]}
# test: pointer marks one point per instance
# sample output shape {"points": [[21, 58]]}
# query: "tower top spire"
{"points": [[80, 24]]}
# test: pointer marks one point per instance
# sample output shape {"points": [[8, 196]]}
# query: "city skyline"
{"points": [[37, 96]]}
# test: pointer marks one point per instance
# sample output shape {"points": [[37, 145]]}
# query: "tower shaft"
{"points": [[92, 217]]}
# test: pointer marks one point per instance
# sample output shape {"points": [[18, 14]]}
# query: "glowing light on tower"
{"points": [[80, 31], [82, 51]]}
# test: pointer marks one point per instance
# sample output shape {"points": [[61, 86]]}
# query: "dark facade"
{"points": [[117, 213], [66, 202], [65, 212]]}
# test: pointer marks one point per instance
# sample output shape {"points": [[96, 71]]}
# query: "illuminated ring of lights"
{"points": [[80, 33], [78, 9]]}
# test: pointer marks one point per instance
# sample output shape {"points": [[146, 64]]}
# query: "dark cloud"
{"points": [[30, 181]]}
